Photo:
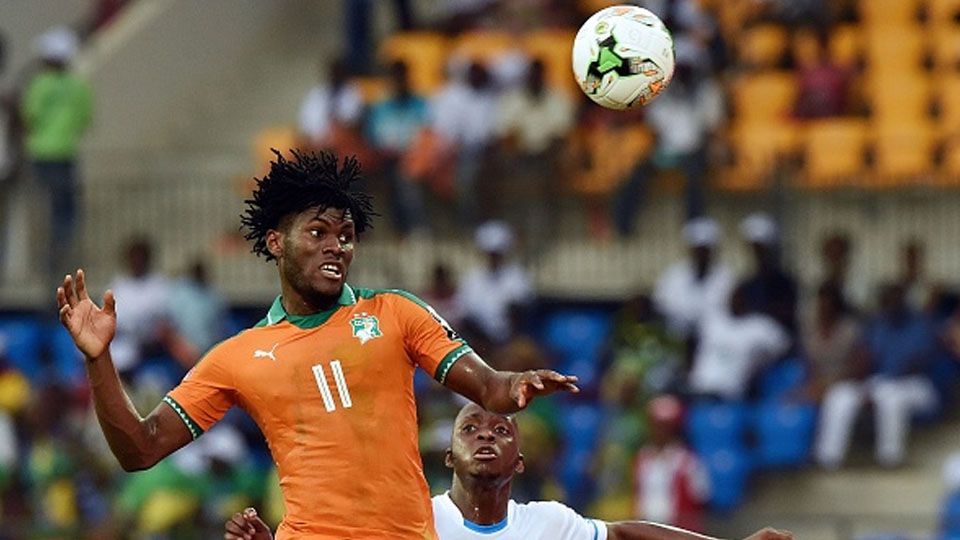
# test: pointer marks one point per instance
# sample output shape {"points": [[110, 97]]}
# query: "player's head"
{"points": [[485, 446], [666, 419], [138, 256], [701, 235], [306, 214]]}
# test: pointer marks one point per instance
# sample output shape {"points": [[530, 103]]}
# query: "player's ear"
{"points": [[275, 242], [448, 458], [520, 466]]}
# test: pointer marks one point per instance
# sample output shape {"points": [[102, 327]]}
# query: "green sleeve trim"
{"points": [[194, 428], [449, 360]]}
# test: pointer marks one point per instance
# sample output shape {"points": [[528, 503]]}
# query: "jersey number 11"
{"points": [[340, 381]]}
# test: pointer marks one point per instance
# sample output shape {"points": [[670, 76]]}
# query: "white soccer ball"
{"points": [[623, 57]]}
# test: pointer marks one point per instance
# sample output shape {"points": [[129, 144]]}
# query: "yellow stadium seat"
{"points": [[805, 48], [846, 44], [763, 46], [482, 45], [896, 96], [834, 151], [606, 171], [942, 11], [425, 54], [903, 151], [896, 46], [553, 48], [758, 148], [949, 105], [950, 171], [372, 89], [282, 138], [889, 11], [946, 47], [764, 96]]}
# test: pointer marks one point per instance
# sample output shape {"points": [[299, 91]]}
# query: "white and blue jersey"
{"points": [[531, 521]]}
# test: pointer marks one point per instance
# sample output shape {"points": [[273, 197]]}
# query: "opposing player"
{"points": [[327, 374], [485, 455]]}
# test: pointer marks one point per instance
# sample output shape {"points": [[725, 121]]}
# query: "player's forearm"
{"points": [[125, 430], [497, 396], [645, 530]]}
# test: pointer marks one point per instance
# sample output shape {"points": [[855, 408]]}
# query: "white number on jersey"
{"points": [[339, 380]]}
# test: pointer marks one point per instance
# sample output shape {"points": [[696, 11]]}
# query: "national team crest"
{"points": [[365, 327]]}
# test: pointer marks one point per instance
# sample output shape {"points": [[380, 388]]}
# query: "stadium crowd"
{"points": [[689, 388]]}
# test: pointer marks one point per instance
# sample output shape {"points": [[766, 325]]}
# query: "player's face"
{"points": [[317, 251], [485, 445]]}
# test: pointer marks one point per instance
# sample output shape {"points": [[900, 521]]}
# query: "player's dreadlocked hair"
{"points": [[292, 186]]}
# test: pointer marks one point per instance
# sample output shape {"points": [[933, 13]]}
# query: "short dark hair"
{"points": [[307, 180]]}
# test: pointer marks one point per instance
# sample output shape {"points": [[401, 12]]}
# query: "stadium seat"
{"points": [[948, 100], [758, 147], [950, 514], [763, 46], [553, 48], [834, 151], [729, 471], [895, 48], [66, 358], [581, 425], [889, 12], [896, 99], [782, 378], [846, 45], [950, 170], [606, 170], [764, 96], [372, 89], [903, 152], [946, 48], [279, 137], [713, 425], [784, 433], [21, 341], [576, 334], [482, 45], [942, 12], [805, 47], [424, 53]]}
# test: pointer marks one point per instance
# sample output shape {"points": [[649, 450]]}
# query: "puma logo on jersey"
{"points": [[266, 354]]}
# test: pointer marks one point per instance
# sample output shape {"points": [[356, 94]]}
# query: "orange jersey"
{"points": [[333, 394]]}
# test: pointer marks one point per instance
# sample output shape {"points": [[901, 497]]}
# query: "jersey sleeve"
{"points": [[206, 393], [429, 340], [567, 523]]}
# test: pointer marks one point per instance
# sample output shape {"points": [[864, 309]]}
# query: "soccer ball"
{"points": [[623, 57]]}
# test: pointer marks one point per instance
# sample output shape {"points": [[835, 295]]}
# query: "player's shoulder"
{"points": [[391, 298], [545, 509]]}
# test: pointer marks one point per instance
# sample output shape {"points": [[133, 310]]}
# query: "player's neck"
{"points": [[483, 503], [295, 303]]}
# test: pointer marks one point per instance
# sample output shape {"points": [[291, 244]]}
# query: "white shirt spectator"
{"points": [[684, 300], [321, 108], [681, 122], [143, 304], [536, 122], [540, 520], [486, 296], [731, 349], [464, 116]]}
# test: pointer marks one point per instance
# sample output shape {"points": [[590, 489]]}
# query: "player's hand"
{"points": [[540, 382], [769, 533], [247, 525], [92, 328]]}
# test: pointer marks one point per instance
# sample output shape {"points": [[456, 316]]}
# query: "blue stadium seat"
{"points": [[729, 471], [581, 426], [784, 433], [950, 515], [66, 358], [22, 340], [574, 475], [573, 334], [713, 425], [782, 378]]}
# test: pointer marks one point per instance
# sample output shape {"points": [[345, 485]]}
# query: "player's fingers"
{"points": [[570, 387], [69, 290], [233, 529], [109, 303], [536, 381], [82, 285], [65, 314], [61, 297]]}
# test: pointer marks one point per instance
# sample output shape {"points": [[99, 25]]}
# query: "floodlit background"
{"points": [[806, 156]]}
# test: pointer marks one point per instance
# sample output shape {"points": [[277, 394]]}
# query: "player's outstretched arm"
{"points": [[138, 443], [645, 530], [247, 525], [504, 392]]}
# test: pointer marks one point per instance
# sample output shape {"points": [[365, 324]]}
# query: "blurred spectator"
{"points": [[835, 253], [104, 13], [913, 275], [442, 295], [465, 118], [145, 297], [823, 88], [690, 290], [487, 291], [832, 340], [197, 315], [672, 485], [771, 290], [685, 119], [331, 109], [798, 13], [10, 156], [532, 122], [56, 111], [392, 127], [900, 342], [734, 344]]}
